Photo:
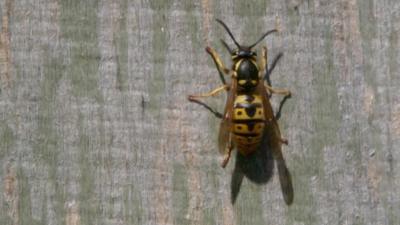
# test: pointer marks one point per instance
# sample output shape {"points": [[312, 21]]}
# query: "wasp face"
{"points": [[243, 53], [246, 54]]}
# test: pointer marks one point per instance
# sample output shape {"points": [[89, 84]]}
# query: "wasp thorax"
{"points": [[247, 74]]}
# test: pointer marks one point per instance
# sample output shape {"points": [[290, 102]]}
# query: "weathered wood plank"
{"points": [[95, 126]]}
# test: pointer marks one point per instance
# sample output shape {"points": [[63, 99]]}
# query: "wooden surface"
{"points": [[95, 127]]}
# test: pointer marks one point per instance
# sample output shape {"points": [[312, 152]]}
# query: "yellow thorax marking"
{"points": [[242, 82], [243, 98]]}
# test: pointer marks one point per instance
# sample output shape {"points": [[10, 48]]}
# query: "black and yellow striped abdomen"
{"points": [[248, 122]]}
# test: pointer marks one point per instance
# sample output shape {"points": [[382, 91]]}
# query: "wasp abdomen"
{"points": [[248, 122]]}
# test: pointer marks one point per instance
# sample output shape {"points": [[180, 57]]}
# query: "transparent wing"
{"points": [[285, 179], [273, 134], [226, 122]]}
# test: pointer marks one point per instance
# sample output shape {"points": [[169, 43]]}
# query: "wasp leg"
{"points": [[264, 69], [279, 91], [209, 94], [263, 62], [269, 70], [278, 114], [213, 111], [227, 156], [194, 98], [218, 62], [284, 141]]}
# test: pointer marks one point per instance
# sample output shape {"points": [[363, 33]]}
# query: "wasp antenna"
{"points": [[229, 32], [262, 37], [226, 46]]}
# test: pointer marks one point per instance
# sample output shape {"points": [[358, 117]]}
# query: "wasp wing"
{"points": [[226, 122], [285, 179], [274, 140]]}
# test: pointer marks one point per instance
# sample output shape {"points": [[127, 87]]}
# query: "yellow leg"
{"points": [[262, 62], [278, 91], [209, 94], [284, 141], [220, 65]]}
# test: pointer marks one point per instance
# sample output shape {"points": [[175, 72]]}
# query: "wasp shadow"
{"points": [[259, 168]]}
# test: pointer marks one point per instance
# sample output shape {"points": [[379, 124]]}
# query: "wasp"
{"points": [[248, 116]]}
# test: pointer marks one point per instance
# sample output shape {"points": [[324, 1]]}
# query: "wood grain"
{"points": [[95, 126]]}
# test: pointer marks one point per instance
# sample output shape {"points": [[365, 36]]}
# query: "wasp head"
{"points": [[242, 51]]}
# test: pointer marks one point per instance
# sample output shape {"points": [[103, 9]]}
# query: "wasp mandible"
{"points": [[248, 114]]}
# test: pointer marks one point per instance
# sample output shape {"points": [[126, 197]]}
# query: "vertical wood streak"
{"points": [[95, 126]]}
